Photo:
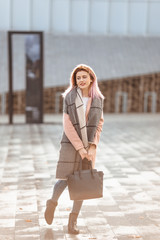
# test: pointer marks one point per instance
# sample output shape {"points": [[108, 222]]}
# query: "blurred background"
{"points": [[41, 41]]}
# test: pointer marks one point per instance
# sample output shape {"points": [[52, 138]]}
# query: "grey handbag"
{"points": [[85, 184]]}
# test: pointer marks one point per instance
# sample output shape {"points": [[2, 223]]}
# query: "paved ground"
{"points": [[129, 155]]}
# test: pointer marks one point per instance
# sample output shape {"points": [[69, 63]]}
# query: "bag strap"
{"points": [[80, 164], [81, 161], [80, 168], [74, 167]]}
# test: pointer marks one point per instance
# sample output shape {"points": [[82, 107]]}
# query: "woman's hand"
{"points": [[83, 153], [91, 152]]}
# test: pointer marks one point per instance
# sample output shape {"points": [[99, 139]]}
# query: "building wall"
{"points": [[111, 57], [141, 94], [130, 95], [118, 17]]}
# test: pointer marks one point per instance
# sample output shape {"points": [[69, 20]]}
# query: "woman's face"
{"points": [[83, 79]]}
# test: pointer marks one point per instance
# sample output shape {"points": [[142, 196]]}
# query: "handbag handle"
{"points": [[80, 168]]}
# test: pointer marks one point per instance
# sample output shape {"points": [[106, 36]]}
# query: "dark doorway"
{"points": [[30, 96]]}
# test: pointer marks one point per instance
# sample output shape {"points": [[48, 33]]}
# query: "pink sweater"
{"points": [[72, 134]]}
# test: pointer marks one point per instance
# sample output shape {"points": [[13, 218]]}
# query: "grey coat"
{"points": [[68, 156]]}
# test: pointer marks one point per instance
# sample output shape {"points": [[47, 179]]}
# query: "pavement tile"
{"points": [[6, 237], [27, 237], [149, 232]]}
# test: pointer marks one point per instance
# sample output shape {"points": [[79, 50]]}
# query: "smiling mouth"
{"points": [[82, 84]]}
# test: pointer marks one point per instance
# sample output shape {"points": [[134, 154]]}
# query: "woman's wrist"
{"points": [[92, 145], [80, 149]]}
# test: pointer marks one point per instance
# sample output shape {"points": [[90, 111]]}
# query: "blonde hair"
{"points": [[94, 90]]}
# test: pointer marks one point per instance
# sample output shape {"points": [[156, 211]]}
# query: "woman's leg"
{"points": [[72, 223], [52, 203], [58, 189], [76, 207]]}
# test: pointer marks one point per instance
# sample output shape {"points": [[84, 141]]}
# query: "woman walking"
{"points": [[82, 123]]}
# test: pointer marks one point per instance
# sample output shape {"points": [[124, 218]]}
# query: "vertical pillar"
{"points": [[154, 103], [124, 104]]}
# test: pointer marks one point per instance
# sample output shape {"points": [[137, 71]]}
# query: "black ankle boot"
{"points": [[72, 227], [49, 212]]}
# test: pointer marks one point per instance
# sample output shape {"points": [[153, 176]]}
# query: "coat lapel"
{"points": [[73, 95]]}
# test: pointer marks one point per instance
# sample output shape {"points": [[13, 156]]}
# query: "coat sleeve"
{"points": [[71, 132], [98, 132]]}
